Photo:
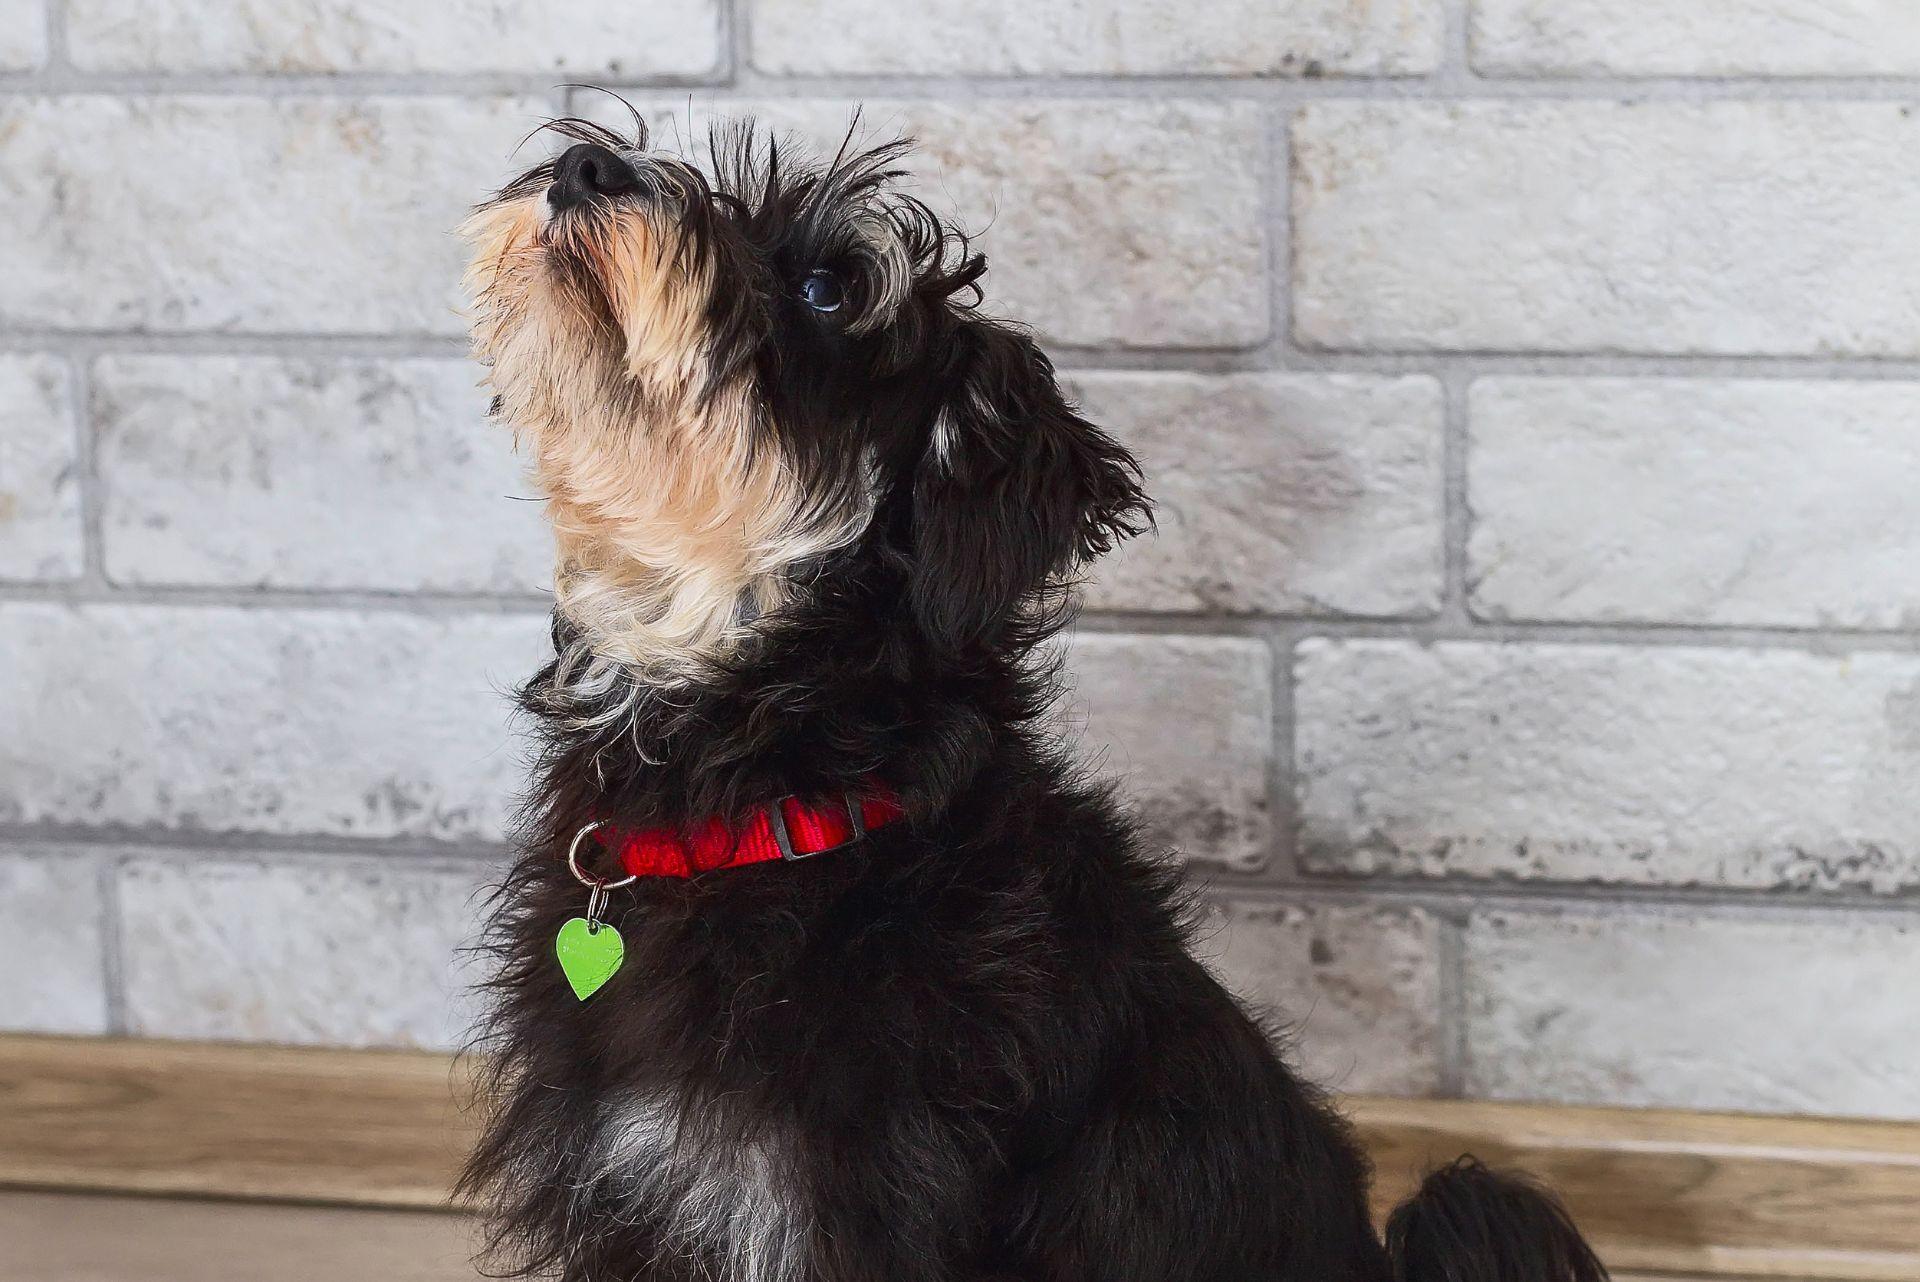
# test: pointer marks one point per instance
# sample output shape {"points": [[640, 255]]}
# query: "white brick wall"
{"points": [[1353, 990], [1669, 500], [23, 34], [55, 947], [667, 38], [40, 536], [315, 949], [1188, 723], [1726, 228], [363, 723], [1706, 37], [1097, 37], [1530, 653], [1278, 493], [257, 471], [1787, 1015], [237, 214], [1667, 765]]}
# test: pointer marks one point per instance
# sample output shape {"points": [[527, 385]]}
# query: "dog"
{"points": [[868, 981]]}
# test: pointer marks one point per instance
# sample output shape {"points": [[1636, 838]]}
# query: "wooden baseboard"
{"points": [[353, 1128], [1662, 1193], [98, 1237]]}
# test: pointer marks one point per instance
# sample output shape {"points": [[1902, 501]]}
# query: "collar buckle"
{"points": [[777, 820]]}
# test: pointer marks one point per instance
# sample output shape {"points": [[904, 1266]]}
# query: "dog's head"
{"points": [[734, 378]]}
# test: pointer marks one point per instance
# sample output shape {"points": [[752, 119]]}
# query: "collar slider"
{"points": [[777, 820]]}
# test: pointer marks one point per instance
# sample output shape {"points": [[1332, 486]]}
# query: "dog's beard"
{"points": [[678, 518]]}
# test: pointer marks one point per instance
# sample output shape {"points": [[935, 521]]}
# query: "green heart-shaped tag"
{"points": [[589, 953]]}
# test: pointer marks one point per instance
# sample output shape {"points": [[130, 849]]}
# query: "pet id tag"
{"points": [[590, 950]]}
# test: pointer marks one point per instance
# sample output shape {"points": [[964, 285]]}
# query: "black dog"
{"points": [[814, 512]]}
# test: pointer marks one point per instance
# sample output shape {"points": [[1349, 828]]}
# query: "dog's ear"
{"points": [[1013, 492]]}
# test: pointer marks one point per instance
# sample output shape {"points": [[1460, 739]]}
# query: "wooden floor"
{"points": [[82, 1237], [172, 1162]]}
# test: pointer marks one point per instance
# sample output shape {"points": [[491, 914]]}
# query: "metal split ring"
{"points": [[599, 885], [596, 901]]}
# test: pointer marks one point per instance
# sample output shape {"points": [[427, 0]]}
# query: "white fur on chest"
{"points": [[720, 1196]]}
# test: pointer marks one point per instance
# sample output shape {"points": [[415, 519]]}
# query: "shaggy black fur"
{"points": [[975, 1045], [1477, 1225]]}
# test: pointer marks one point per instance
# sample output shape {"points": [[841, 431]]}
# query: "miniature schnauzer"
{"points": [[823, 962]]}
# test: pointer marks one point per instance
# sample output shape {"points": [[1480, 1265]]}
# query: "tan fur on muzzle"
{"points": [[676, 522]]}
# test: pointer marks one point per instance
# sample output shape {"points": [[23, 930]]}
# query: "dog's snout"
{"points": [[588, 171]]}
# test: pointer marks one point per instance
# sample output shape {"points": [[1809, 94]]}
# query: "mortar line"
{"points": [[53, 13], [1278, 357], [1450, 1018], [1290, 357], [187, 858], [1455, 501], [113, 944], [743, 82], [120, 841], [1456, 62], [438, 603], [431, 602], [142, 839], [1816, 640], [1595, 363], [346, 86], [84, 342], [1283, 843], [737, 38], [93, 552], [752, 84], [1464, 895], [1277, 195]]}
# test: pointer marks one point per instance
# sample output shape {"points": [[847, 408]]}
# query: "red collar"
{"points": [[787, 829]]}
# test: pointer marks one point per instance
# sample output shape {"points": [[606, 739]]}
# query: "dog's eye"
{"points": [[822, 292]]}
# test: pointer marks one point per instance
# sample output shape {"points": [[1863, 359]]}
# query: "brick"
{"points": [[1105, 221], [40, 531], [591, 37], [323, 950], [1075, 37], [52, 942], [244, 214], [1772, 1014], [1355, 990], [1719, 227], [1609, 763], [311, 474], [23, 34], [1703, 501], [1186, 724], [1728, 38], [1277, 493], [278, 721]]}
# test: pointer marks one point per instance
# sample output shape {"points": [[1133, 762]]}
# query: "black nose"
{"points": [[588, 171]]}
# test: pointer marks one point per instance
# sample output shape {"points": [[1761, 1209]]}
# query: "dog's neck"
{"points": [[827, 698]]}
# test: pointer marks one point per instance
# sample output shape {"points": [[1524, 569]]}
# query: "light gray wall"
{"points": [[1528, 651]]}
